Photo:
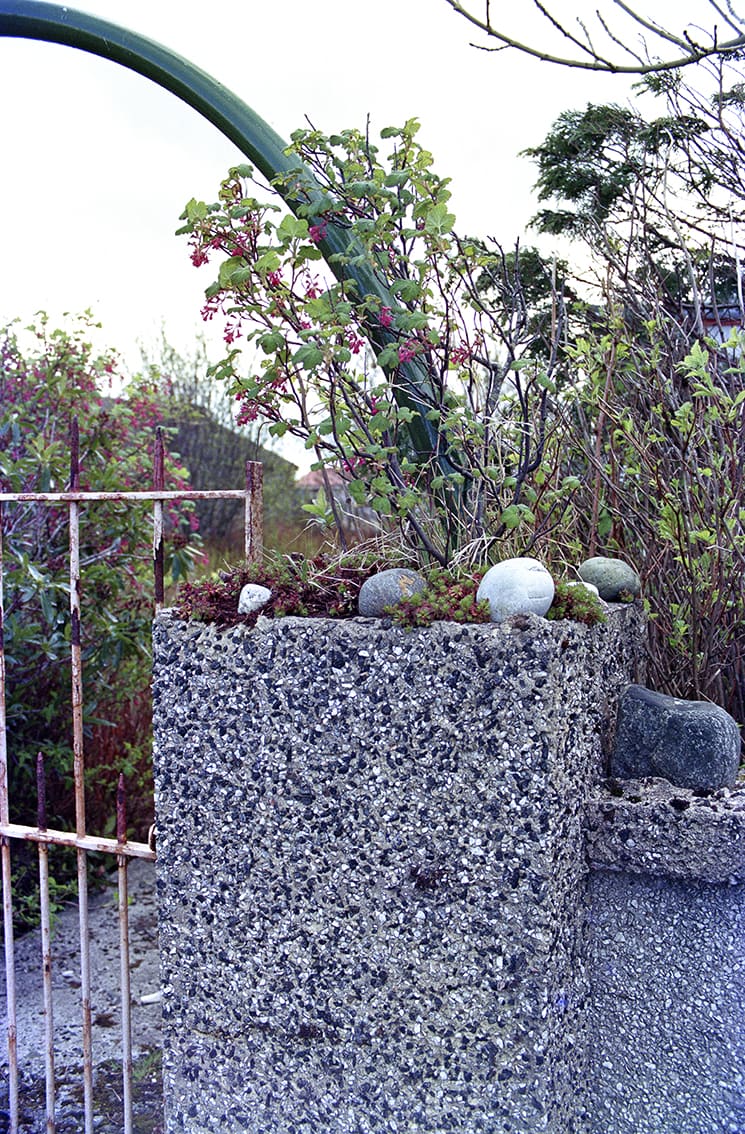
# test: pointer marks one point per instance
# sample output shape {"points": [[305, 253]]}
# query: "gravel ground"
{"points": [[105, 1012]]}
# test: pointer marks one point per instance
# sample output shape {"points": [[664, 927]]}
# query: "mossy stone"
{"points": [[615, 580], [386, 589]]}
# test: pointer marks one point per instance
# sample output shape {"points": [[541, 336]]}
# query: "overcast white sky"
{"points": [[97, 162]]}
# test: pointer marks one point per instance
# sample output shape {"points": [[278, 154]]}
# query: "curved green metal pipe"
{"points": [[54, 23]]}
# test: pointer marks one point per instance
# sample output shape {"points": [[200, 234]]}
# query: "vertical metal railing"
{"points": [[10, 975], [46, 946], [76, 669], [126, 996], [80, 840]]}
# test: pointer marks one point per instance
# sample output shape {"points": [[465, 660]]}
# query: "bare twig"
{"points": [[593, 59]]}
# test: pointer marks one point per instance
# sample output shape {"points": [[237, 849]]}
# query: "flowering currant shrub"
{"points": [[47, 378], [404, 358]]}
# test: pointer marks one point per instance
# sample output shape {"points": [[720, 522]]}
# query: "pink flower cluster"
{"points": [[232, 331], [408, 350], [248, 412], [317, 232], [460, 355]]}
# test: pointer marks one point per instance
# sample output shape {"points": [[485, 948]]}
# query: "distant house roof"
{"points": [[729, 315], [315, 479]]}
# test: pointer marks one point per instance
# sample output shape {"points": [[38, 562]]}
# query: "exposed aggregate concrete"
{"points": [[667, 1005], [666, 953], [653, 827], [372, 871]]}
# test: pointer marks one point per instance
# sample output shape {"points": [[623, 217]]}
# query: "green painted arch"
{"points": [[55, 23]]}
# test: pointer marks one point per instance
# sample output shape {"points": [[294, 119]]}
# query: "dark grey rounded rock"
{"points": [[613, 578], [386, 589], [693, 744]]}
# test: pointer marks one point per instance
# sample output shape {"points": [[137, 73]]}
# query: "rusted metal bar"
{"points": [[10, 973], [75, 647], [10, 989], [146, 494], [79, 776], [46, 946], [122, 864], [85, 990], [254, 517], [87, 843], [159, 481]]}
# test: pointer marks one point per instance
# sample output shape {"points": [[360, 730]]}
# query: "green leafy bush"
{"points": [[664, 490], [47, 376], [417, 376]]}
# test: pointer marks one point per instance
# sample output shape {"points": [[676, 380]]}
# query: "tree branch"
{"points": [[692, 52]]}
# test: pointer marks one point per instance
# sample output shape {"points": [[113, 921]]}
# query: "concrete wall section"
{"points": [[667, 1011], [653, 827], [371, 871]]}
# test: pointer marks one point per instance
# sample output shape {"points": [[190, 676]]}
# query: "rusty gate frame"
{"points": [[84, 843]]}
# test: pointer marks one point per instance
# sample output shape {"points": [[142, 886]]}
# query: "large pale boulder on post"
{"points": [[516, 586]]}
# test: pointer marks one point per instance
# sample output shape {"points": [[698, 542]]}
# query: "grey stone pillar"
{"points": [[372, 871]]}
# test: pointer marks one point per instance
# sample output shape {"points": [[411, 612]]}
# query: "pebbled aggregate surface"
{"points": [[371, 870]]}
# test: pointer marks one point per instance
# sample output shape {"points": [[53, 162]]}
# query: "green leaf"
{"points": [[308, 252], [271, 341], [438, 220], [511, 516], [388, 356], [407, 290], [195, 210], [358, 492], [292, 228], [232, 272], [269, 261], [309, 357]]}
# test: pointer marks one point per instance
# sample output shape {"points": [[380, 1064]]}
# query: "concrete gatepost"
{"points": [[372, 874]]}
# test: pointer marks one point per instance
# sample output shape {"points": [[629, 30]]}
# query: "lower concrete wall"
{"points": [[371, 871], [667, 1009], [666, 957]]}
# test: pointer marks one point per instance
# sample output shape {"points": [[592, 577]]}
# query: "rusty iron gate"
{"points": [[80, 839]]}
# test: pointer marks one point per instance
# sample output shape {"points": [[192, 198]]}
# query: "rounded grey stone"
{"points": [[252, 597], [516, 586], [693, 744], [612, 577], [386, 589]]}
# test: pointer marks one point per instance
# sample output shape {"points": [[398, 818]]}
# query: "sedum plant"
{"points": [[413, 370]]}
